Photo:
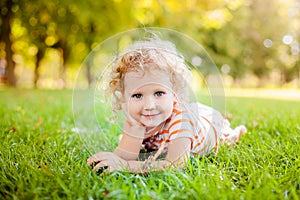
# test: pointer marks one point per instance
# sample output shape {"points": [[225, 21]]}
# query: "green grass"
{"points": [[41, 158]]}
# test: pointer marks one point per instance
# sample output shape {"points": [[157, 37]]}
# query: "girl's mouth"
{"points": [[150, 116]]}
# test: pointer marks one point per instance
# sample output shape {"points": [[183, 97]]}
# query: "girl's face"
{"points": [[148, 97]]}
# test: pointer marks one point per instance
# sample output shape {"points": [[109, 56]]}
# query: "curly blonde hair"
{"points": [[147, 55]]}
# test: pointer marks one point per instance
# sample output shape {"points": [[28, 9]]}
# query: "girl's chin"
{"points": [[151, 124]]}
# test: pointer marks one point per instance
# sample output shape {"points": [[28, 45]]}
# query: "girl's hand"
{"points": [[131, 126], [107, 159], [131, 121]]}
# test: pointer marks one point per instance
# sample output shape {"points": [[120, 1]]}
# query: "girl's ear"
{"points": [[123, 106], [119, 94]]}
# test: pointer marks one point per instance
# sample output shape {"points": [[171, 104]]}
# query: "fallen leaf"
{"points": [[38, 123], [106, 192], [13, 129]]}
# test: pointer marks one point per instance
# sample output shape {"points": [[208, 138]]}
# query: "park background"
{"points": [[43, 43], [254, 43]]}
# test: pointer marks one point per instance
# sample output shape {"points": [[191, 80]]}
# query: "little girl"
{"points": [[149, 84]]}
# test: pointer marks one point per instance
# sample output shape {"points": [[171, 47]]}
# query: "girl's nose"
{"points": [[149, 103]]}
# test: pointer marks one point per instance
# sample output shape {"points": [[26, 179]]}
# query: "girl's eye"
{"points": [[136, 96], [159, 93]]}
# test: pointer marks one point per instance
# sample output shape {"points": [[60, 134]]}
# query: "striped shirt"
{"points": [[200, 123]]}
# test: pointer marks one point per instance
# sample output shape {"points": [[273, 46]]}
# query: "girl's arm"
{"points": [[178, 154], [131, 141]]}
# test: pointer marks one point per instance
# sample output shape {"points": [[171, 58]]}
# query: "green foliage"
{"points": [[247, 36], [42, 158]]}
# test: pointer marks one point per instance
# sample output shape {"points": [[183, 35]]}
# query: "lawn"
{"points": [[41, 157]]}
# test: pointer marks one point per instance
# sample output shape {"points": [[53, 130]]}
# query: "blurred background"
{"points": [[254, 43]]}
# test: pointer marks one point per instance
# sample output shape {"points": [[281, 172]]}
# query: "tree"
{"points": [[6, 38], [48, 24]]}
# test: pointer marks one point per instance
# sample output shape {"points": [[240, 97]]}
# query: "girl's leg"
{"points": [[231, 136]]}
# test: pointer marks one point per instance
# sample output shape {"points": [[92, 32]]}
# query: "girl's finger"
{"points": [[127, 115], [101, 168], [95, 159], [90, 161], [99, 165]]}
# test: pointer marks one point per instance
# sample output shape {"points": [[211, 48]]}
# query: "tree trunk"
{"points": [[65, 51], [39, 56], [88, 65], [6, 17]]}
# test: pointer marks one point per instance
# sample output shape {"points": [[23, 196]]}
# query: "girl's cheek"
{"points": [[134, 106]]}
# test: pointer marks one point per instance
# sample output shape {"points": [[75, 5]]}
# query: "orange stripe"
{"points": [[179, 131], [158, 141], [164, 131], [177, 112], [216, 147], [215, 132], [199, 143], [200, 131], [201, 150], [168, 120], [180, 120]]}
